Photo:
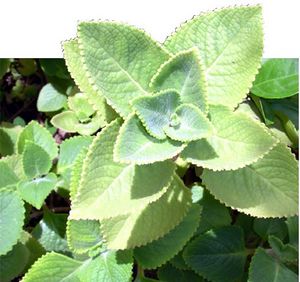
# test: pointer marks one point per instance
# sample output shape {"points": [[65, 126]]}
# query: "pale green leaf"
{"points": [[35, 191], [265, 227], [50, 99], [147, 224], [192, 124], [218, 255], [79, 74], [109, 267], [11, 219], [264, 267], [160, 251], [277, 79], [36, 161], [230, 43], [267, 188], [7, 175], [120, 61], [35, 133], [80, 105], [135, 145], [155, 111], [109, 189], [234, 132], [183, 72]]}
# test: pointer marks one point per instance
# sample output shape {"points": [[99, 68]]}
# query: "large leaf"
{"points": [[150, 222], [109, 266], [183, 72], [267, 188], [126, 59], [278, 78], [35, 133], [218, 255], [264, 267], [11, 219], [160, 251], [110, 189], [230, 43], [135, 145], [234, 132], [7, 175]]}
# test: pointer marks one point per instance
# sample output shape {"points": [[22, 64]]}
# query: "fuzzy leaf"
{"points": [[129, 58], [80, 105], [36, 160], [147, 224], [264, 267], [35, 191], [109, 266], [39, 135], [7, 175], [235, 132], [277, 79], [218, 255], [192, 124], [267, 188], [230, 43], [183, 72], [155, 111], [135, 145], [50, 99], [11, 219], [160, 251], [109, 189]]}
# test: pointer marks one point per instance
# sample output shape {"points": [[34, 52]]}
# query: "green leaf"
{"points": [[109, 189], [50, 99], [183, 72], [109, 266], [147, 224], [218, 255], [234, 132], [50, 232], [36, 161], [168, 273], [230, 43], [135, 145], [11, 219], [77, 70], [35, 191], [78, 104], [264, 267], [39, 135], [83, 235], [155, 111], [129, 58], [8, 137], [270, 226], [160, 251], [293, 227], [192, 124], [178, 261], [7, 175], [267, 188], [277, 79], [55, 67]]}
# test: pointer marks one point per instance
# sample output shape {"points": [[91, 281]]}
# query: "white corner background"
{"points": [[36, 28]]}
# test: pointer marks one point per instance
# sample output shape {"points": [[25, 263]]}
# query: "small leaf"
{"points": [[124, 73], [160, 251], [11, 219], [265, 227], [192, 124], [277, 79], [135, 145], [35, 191], [39, 135], [155, 111], [36, 160], [230, 44], [109, 266], [234, 132], [264, 267], [50, 99], [183, 72], [218, 255], [267, 188], [79, 104]]}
